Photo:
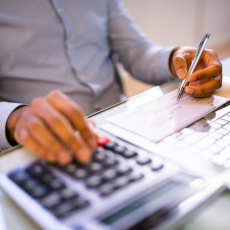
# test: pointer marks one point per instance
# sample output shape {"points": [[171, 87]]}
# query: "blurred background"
{"points": [[180, 22]]}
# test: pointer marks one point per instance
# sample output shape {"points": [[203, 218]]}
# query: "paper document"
{"points": [[161, 117]]}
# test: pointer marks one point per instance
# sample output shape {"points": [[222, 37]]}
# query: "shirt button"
{"points": [[60, 10], [70, 46], [83, 77]]}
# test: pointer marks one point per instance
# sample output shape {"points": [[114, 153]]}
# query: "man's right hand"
{"points": [[48, 129]]}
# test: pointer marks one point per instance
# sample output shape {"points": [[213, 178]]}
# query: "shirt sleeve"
{"points": [[144, 59], [6, 109]]}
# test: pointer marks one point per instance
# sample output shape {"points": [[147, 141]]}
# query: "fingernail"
{"points": [[64, 157], [218, 78], [189, 91], [51, 157], [181, 73], [192, 79], [83, 155]]}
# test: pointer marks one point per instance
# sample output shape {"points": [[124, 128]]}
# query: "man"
{"points": [[66, 45]]}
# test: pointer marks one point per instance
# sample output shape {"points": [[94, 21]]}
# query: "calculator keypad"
{"points": [[108, 172]]}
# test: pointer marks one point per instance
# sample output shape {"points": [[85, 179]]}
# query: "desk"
{"points": [[215, 216]]}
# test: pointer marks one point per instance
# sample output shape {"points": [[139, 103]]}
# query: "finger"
{"points": [[41, 133], [210, 71], [93, 128], [45, 138], [212, 66], [74, 114], [208, 87], [202, 95], [180, 65], [200, 82], [61, 127], [23, 136]]}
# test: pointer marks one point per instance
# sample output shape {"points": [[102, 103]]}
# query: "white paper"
{"points": [[161, 117]]}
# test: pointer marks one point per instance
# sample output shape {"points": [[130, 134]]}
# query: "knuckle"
{"points": [[24, 138], [177, 60], [85, 130], [36, 102], [34, 124], [54, 146], [54, 94], [53, 120], [71, 140], [74, 111]]}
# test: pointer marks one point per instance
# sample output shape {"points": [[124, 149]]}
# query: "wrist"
{"points": [[11, 123]]}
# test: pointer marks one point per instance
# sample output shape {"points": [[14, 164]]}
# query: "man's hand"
{"points": [[48, 129], [207, 76]]}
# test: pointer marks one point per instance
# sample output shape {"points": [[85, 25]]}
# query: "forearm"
{"points": [[144, 59]]}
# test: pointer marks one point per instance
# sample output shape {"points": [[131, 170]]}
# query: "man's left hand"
{"points": [[207, 76]]}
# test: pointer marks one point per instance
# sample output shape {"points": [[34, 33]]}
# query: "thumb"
{"points": [[180, 66]]}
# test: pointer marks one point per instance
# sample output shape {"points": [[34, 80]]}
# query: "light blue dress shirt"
{"points": [[66, 45]]}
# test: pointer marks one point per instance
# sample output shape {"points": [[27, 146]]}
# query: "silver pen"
{"points": [[193, 65]]}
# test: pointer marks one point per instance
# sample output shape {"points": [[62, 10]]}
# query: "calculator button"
{"points": [[37, 169], [106, 189], [129, 154], [51, 200], [102, 141], [110, 145], [121, 182], [119, 149], [110, 162], [80, 174], [30, 185], [142, 160], [135, 176], [56, 184], [80, 203], [19, 177], [123, 169], [94, 167], [47, 178], [39, 192], [109, 174], [63, 209], [100, 155], [156, 166], [67, 194], [71, 168], [93, 181]]}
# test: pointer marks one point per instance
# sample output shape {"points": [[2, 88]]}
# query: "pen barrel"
{"points": [[195, 60]]}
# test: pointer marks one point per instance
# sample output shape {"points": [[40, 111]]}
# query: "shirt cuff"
{"points": [[6, 109], [163, 63]]}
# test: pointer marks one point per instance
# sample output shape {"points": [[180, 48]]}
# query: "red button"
{"points": [[102, 141]]}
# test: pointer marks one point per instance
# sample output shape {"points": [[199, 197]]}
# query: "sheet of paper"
{"points": [[161, 117]]}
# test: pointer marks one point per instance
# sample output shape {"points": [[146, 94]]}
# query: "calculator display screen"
{"points": [[172, 189]]}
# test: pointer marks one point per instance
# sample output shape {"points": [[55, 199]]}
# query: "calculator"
{"points": [[123, 187]]}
